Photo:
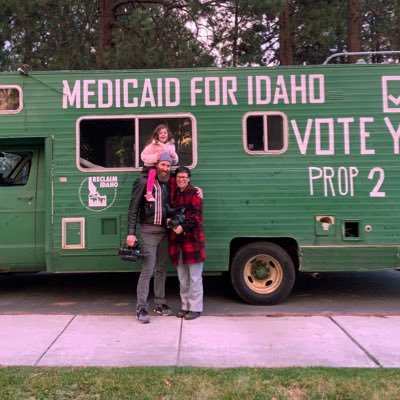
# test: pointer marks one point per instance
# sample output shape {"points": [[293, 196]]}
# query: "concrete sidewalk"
{"points": [[210, 341]]}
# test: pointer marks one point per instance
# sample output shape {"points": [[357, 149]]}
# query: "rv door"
{"points": [[21, 209]]}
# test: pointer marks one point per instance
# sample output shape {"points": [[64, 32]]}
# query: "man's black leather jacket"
{"points": [[142, 211]]}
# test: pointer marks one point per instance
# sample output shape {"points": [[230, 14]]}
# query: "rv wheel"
{"points": [[262, 273]]}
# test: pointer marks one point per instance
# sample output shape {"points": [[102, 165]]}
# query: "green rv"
{"points": [[300, 167]]}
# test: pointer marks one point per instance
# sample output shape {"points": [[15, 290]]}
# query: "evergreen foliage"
{"points": [[89, 34]]}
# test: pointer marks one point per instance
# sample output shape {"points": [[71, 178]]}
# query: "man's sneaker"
{"points": [[192, 315], [163, 310], [142, 315], [181, 313]]}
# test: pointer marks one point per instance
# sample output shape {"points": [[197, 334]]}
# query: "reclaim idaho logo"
{"points": [[97, 193]]}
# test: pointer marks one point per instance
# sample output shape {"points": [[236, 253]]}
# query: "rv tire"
{"points": [[262, 273]]}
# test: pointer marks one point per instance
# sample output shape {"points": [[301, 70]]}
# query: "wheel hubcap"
{"points": [[261, 270], [263, 274]]}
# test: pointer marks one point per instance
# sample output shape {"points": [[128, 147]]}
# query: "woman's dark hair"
{"points": [[159, 128], [184, 170]]}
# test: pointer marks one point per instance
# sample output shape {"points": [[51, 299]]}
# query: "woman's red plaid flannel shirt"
{"points": [[191, 242]]}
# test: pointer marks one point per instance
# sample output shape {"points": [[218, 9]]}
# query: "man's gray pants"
{"points": [[191, 286], [154, 263]]}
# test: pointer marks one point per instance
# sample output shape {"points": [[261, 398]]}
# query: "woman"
{"points": [[187, 246]]}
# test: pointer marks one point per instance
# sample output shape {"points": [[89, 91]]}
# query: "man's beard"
{"points": [[163, 176]]}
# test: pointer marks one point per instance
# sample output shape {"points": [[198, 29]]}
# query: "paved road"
{"points": [[366, 293]]}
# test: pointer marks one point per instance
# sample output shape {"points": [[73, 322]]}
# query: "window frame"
{"points": [[136, 121], [265, 115], [21, 99]]}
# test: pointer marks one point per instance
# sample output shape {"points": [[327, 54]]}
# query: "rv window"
{"points": [[182, 133], [107, 143], [255, 133], [275, 132], [10, 99], [14, 168], [265, 133], [111, 142]]}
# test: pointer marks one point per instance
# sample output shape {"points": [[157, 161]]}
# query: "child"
{"points": [[162, 142]]}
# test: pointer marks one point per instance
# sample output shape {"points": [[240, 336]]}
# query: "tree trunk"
{"points": [[27, 53], [106, 15], [397, 28], [353, 28], [235, 37], [285, 37]]}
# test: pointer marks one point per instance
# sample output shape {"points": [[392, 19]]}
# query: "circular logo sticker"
{"points": [[98, 193]]}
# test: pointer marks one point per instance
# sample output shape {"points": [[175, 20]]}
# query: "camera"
{"points": [[178, 217], [131, 253]]}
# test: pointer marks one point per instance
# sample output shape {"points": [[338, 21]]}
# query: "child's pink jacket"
{"points": [[152, 152]]}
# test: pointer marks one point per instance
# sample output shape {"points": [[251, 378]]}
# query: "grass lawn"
{"points": [[34, 383]]}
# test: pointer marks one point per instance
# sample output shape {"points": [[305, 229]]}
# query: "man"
{"points": [[152, 218]]}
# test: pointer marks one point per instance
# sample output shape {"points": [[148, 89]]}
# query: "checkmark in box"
{"points": [[391, 94]]}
